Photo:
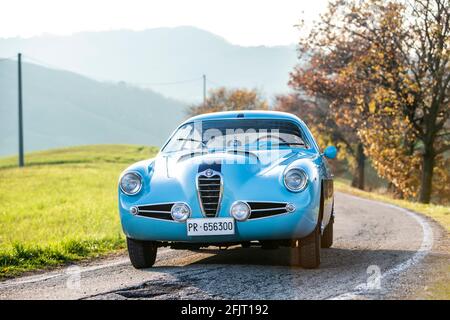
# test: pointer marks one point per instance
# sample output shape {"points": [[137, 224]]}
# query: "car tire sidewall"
{"points": [[327, 236], [142, 253], [309, 250]]}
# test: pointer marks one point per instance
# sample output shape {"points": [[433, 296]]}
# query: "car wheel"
{"points": [[142, 253], [309, 250], [246, 244], [327, 236]]}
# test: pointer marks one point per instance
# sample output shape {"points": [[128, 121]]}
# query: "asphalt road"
{"points": [[377, 248]]}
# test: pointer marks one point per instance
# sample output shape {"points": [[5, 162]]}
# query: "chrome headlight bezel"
{"points": [[178, 205], [299, 172], [244, 204], [135, 190]]}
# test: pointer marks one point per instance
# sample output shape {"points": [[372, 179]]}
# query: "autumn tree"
{"points": [[319, 117], [223, 99], [335, 90], [396, 62]]}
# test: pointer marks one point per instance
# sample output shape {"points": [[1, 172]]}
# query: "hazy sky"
{"points": [[244, 22]]}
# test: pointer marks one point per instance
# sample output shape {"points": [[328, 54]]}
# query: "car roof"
{"points": [[245, 114]]}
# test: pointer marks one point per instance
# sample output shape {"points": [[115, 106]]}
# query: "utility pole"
{"points": [[204, 90], [19, 69]]}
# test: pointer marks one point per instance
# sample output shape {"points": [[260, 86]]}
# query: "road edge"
{"points": [[363, 291]]}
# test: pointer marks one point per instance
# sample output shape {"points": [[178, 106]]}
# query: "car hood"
{"points": [[231, 162]]}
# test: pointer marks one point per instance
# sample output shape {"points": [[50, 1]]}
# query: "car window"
{"points": [[237, 134]]}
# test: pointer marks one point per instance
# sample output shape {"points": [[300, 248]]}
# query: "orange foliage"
{"points": [[223, 99]]}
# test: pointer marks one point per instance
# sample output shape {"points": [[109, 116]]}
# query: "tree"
{"points": [[223, 99], [326, 78], [322, 122], [397, 64]]}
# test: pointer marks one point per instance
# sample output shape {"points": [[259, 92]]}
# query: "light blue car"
{"points": [[249, 178]]}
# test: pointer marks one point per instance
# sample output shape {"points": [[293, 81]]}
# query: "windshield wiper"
{"points": [[192, 140], [246, 152], [292, 144]]}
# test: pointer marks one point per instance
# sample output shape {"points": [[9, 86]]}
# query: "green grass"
{"points": [[62, 206], [439, 289]]}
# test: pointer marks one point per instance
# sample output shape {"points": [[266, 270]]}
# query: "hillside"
{"points": [[162, 55], [63, 108]]}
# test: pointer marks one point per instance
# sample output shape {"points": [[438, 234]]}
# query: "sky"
{"points": [[241, 22]]}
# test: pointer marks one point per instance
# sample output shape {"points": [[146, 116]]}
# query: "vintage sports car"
{"points": [[250, 178]]}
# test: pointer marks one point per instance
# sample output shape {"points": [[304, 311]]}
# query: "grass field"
{"points": [[62, 206]]}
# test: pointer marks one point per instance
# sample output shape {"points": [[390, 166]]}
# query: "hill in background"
{"points": [[63, 108], [162, 55]]}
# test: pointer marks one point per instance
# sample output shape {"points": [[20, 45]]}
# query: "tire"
{"points": [[246, 244], [327, 236], [309, 250], [142, 253]]}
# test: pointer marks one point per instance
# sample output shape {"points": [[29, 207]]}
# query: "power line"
{"points": [[8, 58], [168, 83], [144, 84], [139, 84], [43, 63], [215, 83]]}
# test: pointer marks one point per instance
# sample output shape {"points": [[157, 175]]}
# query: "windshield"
{"points": [[246, 134]]}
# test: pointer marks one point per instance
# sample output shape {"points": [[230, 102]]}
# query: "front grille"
{"points": [[157, 211], [266, 209], [209, 191]]}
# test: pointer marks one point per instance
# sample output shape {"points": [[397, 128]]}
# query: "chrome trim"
{"points": [[264, 201], [134, 210], [268, 217], [297, 169], [220, 191], [249, 210], [189, 215], [154, 211], [290, 207], [140, 178], [270, 209], [156, 204]]}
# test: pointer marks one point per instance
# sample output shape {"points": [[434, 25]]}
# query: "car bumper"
{"points": [[293, 225]]}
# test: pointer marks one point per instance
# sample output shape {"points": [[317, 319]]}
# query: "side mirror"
{"points": [[330, 152]]}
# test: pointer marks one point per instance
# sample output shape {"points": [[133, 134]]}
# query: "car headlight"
{"points": [[130, 183], [180, 211], [295, 180], [240, 210]]}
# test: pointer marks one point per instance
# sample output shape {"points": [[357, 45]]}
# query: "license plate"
{"points": [[210, 226]]}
